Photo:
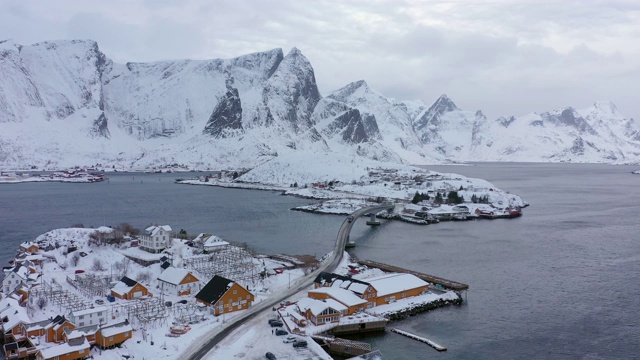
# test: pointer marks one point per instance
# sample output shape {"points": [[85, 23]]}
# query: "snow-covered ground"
{"points": [[347, 183], [149, 340]]}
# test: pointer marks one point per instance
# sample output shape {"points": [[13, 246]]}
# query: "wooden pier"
{"points": [[447, 284], [421, 339]]}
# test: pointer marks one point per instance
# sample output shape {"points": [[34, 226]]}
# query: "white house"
{"points": [[210, 243], [88, 317], [178, 282], [13, 277], [156, 238]]}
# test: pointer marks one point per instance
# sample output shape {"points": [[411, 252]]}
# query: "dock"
{"points": [[421, 339], [447, 284]]}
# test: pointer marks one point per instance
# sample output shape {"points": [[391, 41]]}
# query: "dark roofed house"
{"points": [[128, 289], [224, 296]]}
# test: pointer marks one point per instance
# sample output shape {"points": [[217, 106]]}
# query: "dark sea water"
{"points": [[561, 282]]}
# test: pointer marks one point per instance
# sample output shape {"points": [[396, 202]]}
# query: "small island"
{"points": [[69, 176], [345, 184]]}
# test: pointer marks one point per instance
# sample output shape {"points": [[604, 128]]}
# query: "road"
{"points": [[220, 332]]}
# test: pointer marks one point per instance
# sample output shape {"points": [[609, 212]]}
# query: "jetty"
{"points": [[420, 338], [447, 284]]}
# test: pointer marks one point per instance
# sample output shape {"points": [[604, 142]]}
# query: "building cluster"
{"points": [[62, 337], [80, 327], [336, 296]]}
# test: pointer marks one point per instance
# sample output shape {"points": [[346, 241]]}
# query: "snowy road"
{"points": [[208, 341]]}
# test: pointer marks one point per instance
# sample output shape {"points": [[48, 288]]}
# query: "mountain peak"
{"points": [[444, 104], [348, 90], [607, 106]]}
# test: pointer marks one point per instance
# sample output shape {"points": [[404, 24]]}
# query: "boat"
{"points": [[515, 212], [350, 244]]}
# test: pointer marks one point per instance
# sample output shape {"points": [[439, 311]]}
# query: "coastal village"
{"points": [[118, 292], [79, 292]]}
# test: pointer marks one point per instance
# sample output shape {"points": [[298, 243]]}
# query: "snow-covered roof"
{"points": [[355, 286], [105, 229], [84, 331], [318, 306], [345, 297], [214, 241], [115, 330], [124, 285], [15, 313], [152, 230], [395, 282], [65, 348], [173, 275], [27, 244], [20, 270], [88, 311]]}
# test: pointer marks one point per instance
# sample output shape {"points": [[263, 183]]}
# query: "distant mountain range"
{"points": [[64, 103]]}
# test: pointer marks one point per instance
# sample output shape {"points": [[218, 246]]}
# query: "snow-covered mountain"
{"points": [[65, 103]]}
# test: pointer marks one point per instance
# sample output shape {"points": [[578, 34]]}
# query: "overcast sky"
{"points": [[503, 57]]}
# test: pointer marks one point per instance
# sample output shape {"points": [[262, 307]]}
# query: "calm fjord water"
{"points": [[559, 282]]}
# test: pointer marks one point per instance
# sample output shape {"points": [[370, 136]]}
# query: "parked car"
{"points": [[349, 218], [183, 301], [272, 321], [276, 323], [300, 343], [281, 332], [290, 339], [270, 356], [168, 303], [100, 302]]}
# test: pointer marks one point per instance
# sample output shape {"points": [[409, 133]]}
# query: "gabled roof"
{"points": [[215, 289], [115, 329], [395, 282], [58, 320], [214, 241], [128, 281], [356, 286], [15, 314], [65, 348], [124, 285], [20, 270], [83, 331], [152, 230], [341, 295], [173, 275], [318, 306]]}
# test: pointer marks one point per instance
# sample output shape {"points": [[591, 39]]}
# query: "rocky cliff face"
{"points": [[65, 103]]}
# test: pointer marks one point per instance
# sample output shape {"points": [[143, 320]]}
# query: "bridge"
{"points": [[216, 335]]}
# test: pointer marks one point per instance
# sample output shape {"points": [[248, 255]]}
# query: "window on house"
{"points": [[81, 317], [110, 338], [235, 292]]}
